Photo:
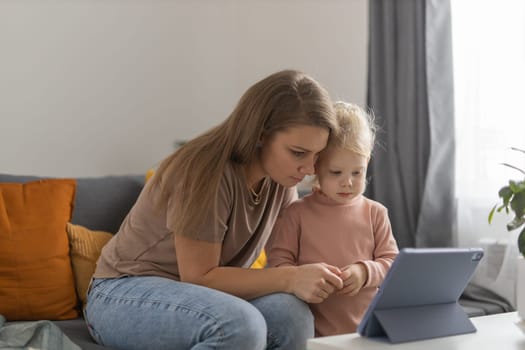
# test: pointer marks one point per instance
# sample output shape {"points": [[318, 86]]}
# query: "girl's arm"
{"points": [[198, 263], [385, 250]]}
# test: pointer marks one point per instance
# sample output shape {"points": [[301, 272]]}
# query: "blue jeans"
{"points": [[159, 313]]}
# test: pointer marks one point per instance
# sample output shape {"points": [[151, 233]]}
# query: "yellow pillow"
{"points": [[149, 174], [36, 279], [85, 246], [260, 263]]}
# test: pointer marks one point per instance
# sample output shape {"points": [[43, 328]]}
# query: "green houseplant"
{"points": [[513, 199]]}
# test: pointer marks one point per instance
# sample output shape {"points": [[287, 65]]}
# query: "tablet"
{"points": [[418, 298]]}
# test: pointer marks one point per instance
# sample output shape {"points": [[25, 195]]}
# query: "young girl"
{"points": [[176, 275], [338, 226]]}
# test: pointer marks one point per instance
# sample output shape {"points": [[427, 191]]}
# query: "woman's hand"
{"points": [[354, 277], [313, 283]]}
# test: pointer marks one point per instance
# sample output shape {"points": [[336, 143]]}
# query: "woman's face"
{"points": [[289, 155]]}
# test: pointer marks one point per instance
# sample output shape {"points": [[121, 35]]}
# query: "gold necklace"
{"points": [[255, 196]]}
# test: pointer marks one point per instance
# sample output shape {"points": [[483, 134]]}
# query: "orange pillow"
{"points": [[36, 279], [86, 246]]}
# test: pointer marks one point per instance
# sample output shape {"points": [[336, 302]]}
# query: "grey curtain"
{"points": [[410, 91]]}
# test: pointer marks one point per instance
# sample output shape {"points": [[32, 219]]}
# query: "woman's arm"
{"points": [[282, 248], [198, 263]]}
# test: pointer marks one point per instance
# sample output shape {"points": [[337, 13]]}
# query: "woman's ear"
{"points": [[260, 141]]}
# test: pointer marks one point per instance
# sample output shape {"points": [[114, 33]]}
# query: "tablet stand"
{"points": [[420, 322]]}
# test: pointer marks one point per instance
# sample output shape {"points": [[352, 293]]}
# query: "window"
{"points": [[489, 73]]}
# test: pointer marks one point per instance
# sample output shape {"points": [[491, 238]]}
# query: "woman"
{"points": [[176, 275]]}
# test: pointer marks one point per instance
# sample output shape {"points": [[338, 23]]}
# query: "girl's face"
{"points": [[342, 174], [289, 155]]}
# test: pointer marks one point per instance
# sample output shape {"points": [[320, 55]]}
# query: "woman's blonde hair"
{"points": [[356, 131], [282, 100]]}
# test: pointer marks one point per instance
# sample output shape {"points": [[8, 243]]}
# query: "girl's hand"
{"points": [[354, 277], [313, 283]]}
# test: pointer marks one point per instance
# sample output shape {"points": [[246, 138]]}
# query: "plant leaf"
{"points": [[491, 214], [515, 223], [505, 193], [516, 186], [518, 204], [514, 167], [521, 242], [518, 149]]}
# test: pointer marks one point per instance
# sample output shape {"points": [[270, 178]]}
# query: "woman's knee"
{"points": [[289, 320], [299, 317], [243, 327]]}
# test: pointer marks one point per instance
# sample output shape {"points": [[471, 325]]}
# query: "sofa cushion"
{"points": [[85, 247], [36, 278], [101, 203]]}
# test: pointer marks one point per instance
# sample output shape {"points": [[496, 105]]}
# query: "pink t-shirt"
{"points": [[145, 243], [317, 229]]}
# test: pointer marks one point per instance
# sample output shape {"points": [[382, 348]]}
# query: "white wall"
{"points": [[96, 87]]}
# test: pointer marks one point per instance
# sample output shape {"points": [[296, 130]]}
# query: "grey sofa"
{"points": [[101, 203]]}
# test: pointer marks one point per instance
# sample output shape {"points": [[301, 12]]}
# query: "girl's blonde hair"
{"points": [[282, 100], [356, 131]]}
